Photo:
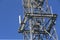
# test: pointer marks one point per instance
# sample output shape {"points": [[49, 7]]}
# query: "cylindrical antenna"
{"points": [[47, 3], [51, 9], [28, 5], [48, 8], [19, 19]]}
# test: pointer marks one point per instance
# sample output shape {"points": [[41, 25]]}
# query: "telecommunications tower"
{"points": [[39, 21]]}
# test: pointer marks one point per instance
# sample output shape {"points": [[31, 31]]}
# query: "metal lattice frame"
{"points": [[38, 24]]}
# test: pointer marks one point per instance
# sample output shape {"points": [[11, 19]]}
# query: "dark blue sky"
{"points": [[9, 12]]}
